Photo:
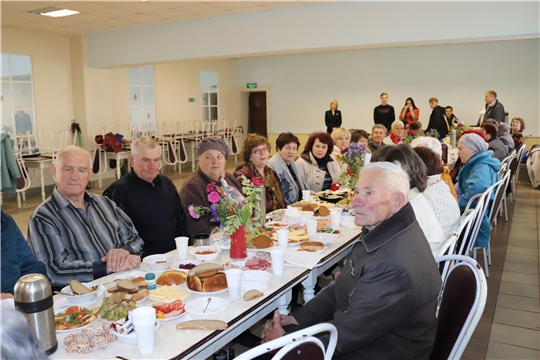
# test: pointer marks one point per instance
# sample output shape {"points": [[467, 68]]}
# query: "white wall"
{"points": [[303, 85], [317, 27]]}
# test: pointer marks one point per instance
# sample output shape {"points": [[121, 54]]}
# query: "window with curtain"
{"points": [[141, 96], [17, 97]]}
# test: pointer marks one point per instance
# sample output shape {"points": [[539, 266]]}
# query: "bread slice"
{"points": [[78, 289], [311, 246], [140, 282], [262, 241], [126, 296], [127, 286], [202, 325], [252, 294], [206, 267]]}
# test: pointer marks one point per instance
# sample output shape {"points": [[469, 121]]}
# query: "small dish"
{"points": [[326, 239], [81, 299], [205, 257], [255, 279], [176, 265], [196, 307], [158, 262], [129, 339]]}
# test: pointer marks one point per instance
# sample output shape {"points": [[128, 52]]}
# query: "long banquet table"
{"points": [[174, 344]]}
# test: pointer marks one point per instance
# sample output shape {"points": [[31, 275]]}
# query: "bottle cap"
{"points": [[150, 276]]}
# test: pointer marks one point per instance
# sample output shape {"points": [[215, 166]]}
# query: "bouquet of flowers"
{"points": [[230, 208], [353, 158]]}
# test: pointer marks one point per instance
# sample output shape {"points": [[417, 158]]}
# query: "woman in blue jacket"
{"points": [[480, 171]]}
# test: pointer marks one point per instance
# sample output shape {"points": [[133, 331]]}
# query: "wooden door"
{"points": [[257, 113]]}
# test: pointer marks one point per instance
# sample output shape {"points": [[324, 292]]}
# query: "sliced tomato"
{"points": [[177, 305]]}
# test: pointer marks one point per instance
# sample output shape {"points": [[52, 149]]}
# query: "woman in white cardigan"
{"points": [[319, 168]]}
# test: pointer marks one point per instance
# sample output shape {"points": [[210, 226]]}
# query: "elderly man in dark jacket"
{"points": [[383, 303]]}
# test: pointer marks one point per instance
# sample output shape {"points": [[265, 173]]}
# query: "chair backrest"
{"points": [[462, 302], [465, 232], [500, 192], [519, 155], [481, 201], [289, 344], [310, 348], [506, 161]]}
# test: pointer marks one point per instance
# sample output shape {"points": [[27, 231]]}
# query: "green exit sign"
{"points": [[191, 99], [252, 85]]}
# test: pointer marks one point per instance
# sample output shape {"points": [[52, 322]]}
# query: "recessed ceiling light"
{"points": [[53, 12]]}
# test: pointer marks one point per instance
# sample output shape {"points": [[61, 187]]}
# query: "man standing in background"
{"points": [[384, 113], [494, 109], [437, 119]]}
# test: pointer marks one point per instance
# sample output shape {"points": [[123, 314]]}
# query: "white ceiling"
{"points": [[102, 16]]}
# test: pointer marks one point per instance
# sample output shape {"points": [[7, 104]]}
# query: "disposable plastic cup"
{"points": [[306, 195], [311, 226], [234, 280], [283, 238], [182, 247], [335, 219], [278, 258], [144, 320]]}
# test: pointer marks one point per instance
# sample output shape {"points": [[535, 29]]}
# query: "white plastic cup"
{"points": [[335, 219], [234, 281], [306, 195], [311, 226], [182, 247], [144, 321], [278, 258], [283, 238]]}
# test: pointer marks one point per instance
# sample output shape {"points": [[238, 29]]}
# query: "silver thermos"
{"points": [[33, 297]]}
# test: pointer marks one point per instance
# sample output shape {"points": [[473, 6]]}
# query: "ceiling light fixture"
{"points": [[54, 12]]}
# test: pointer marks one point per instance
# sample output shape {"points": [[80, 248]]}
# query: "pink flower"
{"points": [[192, 212], [257, 181], [210, 187], [213, 197]]}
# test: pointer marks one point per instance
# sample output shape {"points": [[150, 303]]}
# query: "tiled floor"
{"points": [[510, 325]]}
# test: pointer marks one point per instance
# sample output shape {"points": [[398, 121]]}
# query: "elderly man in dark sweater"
{"points": [[150, 199], [383, 303], [213, 154]]}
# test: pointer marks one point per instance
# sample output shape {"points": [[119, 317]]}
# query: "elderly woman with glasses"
{"points": [[256, 153]]}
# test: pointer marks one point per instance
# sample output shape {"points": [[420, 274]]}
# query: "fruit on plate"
{"points": [[114, 308], [168, 310]]}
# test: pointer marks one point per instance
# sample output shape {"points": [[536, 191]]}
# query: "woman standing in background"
{"points": [[332, 117], [410, 113]]}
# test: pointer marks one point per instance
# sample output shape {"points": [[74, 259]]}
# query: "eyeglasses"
{"points": [[259, 151]]}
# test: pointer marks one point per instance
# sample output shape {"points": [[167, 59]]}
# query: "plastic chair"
{"points": [[511, 189], [462, 301], [298, 345], [519, 156], [503, 175], [486, 205]]}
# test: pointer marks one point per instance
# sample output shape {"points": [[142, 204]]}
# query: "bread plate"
{"points": [[208, 292], [84, 298]]}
